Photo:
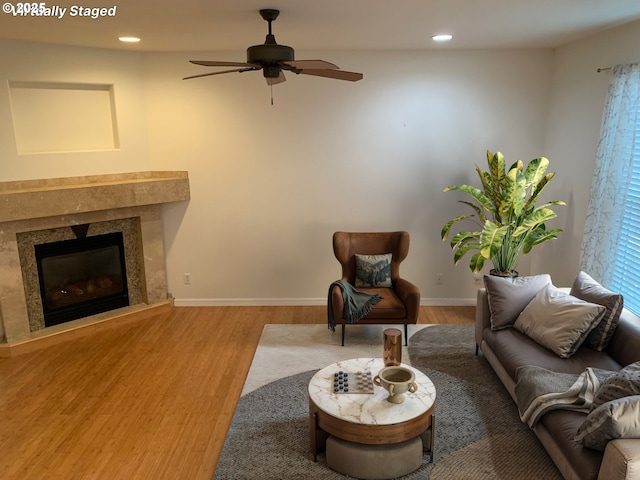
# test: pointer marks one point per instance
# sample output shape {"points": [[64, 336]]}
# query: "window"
{"points": [[626, 275], [611, 243]]}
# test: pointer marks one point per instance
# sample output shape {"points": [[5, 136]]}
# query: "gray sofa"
{"points": [[507, 349]]}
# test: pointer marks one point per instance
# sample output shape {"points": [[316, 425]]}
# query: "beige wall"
{"points": [[270, 184]]}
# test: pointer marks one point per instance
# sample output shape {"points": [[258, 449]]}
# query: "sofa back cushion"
{"points": [[509, 296], [624, 347], [587, 289]]}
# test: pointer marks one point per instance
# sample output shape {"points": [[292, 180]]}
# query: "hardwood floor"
{"points": [[148, 400]]}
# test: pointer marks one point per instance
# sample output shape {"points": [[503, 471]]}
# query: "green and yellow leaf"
{"points": [[535, 171], [476, 263], [448, 225], [460, 252], [539, 216], [491, 239], [464, 237]]}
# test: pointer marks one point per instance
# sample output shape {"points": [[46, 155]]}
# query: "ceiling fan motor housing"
{"points": [[268, 55]]}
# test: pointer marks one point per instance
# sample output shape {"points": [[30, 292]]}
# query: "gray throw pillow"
{"points": [[508, 296], [615, 419], [373, 270], [587, 289], [624, 383], [558, 321]]}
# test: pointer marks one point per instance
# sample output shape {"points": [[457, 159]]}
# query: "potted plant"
{"points": [[510, 222]]}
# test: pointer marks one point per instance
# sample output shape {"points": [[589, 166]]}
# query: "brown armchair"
{"points": [[400, 304]]}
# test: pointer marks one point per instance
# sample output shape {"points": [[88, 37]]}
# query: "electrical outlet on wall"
{"points": [[187, 279], [439, 279]]}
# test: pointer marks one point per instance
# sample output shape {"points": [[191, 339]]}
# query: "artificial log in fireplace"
{"points": [[81, 277]]}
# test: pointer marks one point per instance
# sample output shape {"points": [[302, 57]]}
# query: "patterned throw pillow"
{"points": [[587, 289], [624, 383], [615, 419], [373, 270]]}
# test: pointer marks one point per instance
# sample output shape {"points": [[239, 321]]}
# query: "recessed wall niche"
{"points": [[63, 117]]}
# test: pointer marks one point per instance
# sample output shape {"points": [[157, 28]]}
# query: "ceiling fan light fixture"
{"points": [[129, 39], [442, 37]]}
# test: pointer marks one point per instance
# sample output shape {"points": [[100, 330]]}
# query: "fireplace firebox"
{"points": [[81, 277]]}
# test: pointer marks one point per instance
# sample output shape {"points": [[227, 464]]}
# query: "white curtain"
{"points": [[612, 174]]}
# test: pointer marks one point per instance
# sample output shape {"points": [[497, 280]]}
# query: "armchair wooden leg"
{"points": [[406, 335], [343, 325]]}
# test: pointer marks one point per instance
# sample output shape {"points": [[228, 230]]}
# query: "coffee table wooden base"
{"points": [[320, 422]]}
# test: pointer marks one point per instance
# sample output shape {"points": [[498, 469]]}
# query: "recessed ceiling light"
{"points": [[129, 39], [445, 37]]}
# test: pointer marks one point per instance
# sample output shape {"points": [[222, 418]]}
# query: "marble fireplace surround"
{"points": [[44, 209]]}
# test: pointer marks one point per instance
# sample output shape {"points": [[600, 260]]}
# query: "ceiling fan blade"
{"points": [[274, 81], [215, 63], [218, 73], [311, 64], [337, 74]]}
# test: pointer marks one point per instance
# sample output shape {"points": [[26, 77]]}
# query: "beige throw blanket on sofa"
{"points": [[539, 390]]}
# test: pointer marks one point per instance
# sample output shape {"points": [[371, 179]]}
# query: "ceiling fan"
{"points": [[273, 59]]}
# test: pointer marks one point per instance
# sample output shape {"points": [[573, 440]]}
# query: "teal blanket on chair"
{"points": [[356, 304]]}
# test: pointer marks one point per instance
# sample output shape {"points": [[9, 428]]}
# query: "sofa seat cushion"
{"points": [[514, 349], [562, 426], [389, 307]]}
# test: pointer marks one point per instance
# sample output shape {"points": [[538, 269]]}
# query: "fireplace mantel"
{"points": [[49, 204], [29, 199]]}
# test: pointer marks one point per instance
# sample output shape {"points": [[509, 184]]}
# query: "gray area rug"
{"points": [[478, 433]]}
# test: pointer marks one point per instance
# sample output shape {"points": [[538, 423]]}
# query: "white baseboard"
{"points": [[448, 302], [248, 302], [278, 302]]}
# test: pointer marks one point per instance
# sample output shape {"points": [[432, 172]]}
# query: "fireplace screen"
{"points": [[81, 277]]}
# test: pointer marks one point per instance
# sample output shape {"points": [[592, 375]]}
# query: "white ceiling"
{"points": [[192, 25]]}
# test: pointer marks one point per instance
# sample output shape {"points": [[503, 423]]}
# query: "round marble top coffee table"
{"points": [[368, 418]]}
